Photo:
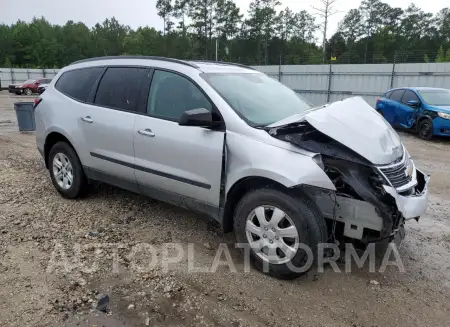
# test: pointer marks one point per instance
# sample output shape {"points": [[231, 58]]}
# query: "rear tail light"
{"points": [[36, 102]]}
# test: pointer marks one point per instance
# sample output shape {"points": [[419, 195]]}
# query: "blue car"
{"points": [[423, 109]]}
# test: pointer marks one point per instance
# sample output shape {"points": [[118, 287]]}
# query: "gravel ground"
{"points": [[57, 259]]}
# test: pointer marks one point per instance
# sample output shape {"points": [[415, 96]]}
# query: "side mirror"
{"points": [[414, 103], [196, 117]]}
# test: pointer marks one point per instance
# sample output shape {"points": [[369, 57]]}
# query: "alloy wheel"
{"points": [[62, 171], [272, 234]]}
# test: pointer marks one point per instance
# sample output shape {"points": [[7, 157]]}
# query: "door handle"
{"points": [[87, 119], [146, 132]]}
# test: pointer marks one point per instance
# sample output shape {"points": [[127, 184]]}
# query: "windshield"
{"points": [[30, 81], [257, 98], [436, 97]]}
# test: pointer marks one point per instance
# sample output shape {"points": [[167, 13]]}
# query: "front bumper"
{"points": [[360, 216], [441, 126], [13, 89], [413, 205]]}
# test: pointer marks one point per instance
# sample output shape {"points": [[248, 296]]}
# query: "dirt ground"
{"points": [[47, 280]]}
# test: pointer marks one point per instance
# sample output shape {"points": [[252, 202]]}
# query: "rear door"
{"points": [[107, 123], [178, 164], [391, 110], [407, 114]]}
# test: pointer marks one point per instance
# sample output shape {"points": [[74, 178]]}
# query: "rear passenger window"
{"points": [[77, 83], [171, 95], [397, 95], [387, 95], [122, 87]]}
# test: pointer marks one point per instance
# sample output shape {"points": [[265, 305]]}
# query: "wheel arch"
{"points": [[238, 190], [51, 139], [422, 118]]}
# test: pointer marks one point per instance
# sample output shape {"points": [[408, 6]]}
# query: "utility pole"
{"points": [[326, 10], [217, 48]]}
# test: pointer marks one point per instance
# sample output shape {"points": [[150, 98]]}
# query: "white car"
{"points": [[233, 143]]}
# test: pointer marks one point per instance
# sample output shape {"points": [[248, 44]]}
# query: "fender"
{"points": [[247, 157]]}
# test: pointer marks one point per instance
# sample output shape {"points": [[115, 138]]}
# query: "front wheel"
{"points": [[425, 129], [27, 91], [279, 227]]}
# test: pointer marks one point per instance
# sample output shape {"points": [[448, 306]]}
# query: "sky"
{"points": [[137, 13]]}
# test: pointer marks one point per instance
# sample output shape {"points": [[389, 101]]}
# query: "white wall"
{"points": [[20, 75], [368, 81]]}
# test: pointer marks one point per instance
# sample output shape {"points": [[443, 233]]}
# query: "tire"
{"points": [[27, 91], [299, 211], [69, 188], [425, 129]]}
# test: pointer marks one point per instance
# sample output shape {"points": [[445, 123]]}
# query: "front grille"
{"points": [[397, 173]]}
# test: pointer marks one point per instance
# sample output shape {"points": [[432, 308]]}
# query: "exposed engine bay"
{"points": [[368, 197]]}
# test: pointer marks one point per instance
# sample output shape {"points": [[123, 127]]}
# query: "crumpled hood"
{"points": [[355, 124]]}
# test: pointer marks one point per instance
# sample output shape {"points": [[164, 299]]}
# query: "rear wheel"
{"points": [[66, 171], [425, 129], [277, 226]]}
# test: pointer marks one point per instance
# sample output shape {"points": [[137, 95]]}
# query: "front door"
{"points": [[407, 113], [178, 164]]}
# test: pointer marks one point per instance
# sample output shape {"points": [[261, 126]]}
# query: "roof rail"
{"points": [[178, 61], [222, 63]]}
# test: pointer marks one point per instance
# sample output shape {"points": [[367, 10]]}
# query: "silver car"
{"points": [[228, 141]]}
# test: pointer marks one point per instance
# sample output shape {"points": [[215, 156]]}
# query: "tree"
{"points": [[227, 18], [261, 23], [371, 12], [326, 10], [165, 10], [180, 10], [374, 32], [199, 13], [351, 27], [443, 56]]}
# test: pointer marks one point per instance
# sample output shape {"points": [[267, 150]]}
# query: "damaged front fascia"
{"points": [[355, 170]]}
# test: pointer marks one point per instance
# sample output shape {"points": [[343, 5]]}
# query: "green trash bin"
{"points": [[25, 116]]}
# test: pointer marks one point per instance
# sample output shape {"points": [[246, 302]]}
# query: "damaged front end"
{"points": [[371, 201]]}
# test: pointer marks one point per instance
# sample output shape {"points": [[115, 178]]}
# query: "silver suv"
{"points": [[228, 141]]}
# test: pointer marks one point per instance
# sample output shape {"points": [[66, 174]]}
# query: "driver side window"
{"points": [[171, 95], [408, 96]]}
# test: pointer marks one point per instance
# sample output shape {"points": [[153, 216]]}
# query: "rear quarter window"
{"points": [[77, 83], [387, 95]]}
